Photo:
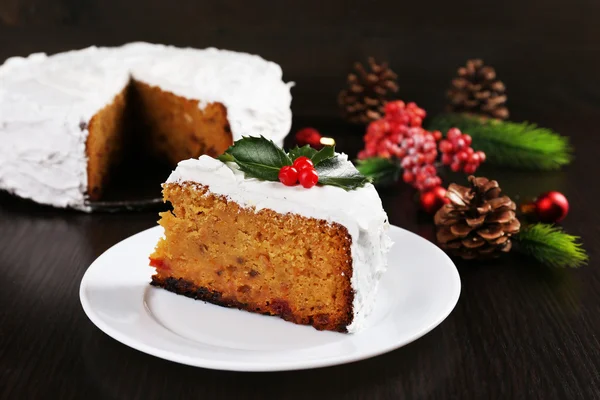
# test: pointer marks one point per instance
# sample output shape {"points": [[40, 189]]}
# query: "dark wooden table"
{"points": [[519, 330]]}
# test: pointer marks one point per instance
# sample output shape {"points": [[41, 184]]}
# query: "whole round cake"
{"points": [[66, 120]]}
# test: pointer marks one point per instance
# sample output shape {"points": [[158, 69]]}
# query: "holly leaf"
{"points": [[258, 157], [337, 171], [305, 151], [380, 170], [315, 156], [325, 153]]}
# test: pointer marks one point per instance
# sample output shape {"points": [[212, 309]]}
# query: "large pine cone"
{"points": [[477, 91], [478, 222], [367, 92]]}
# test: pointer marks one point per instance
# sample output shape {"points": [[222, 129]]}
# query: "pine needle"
{"points": [[519, 145], [379, 170], [552, 246]]}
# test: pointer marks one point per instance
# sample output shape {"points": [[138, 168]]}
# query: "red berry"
{"points": [[308, 177], [437, 135], [302, 162], [408, 177], [459, 143], [430, 157], [288, 175], [428, 146], [481, 156], [430, 169], [393, 107], [474, 158], [469, 150], [446, 159], [407, 162], [455, 166], [453, 133], [416, 121], [462, 156], [470, 168], [421, 177], [446, 146], [467, 139]]}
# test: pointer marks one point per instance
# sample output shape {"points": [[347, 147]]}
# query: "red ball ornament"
{"points": [[434, 199], [309, 136], [551, 207]]}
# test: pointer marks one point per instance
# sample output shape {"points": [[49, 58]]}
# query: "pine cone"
{"points": [[367, 92], [476, 90], [478, 222]]}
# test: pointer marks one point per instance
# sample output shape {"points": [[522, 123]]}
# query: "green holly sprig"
{"points": [[262, 159]]}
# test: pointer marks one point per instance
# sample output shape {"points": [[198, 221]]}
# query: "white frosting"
{"points": [[360, 211], [44, 99]]}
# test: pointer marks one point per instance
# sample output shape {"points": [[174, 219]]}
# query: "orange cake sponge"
{"points": [[312, 257]]}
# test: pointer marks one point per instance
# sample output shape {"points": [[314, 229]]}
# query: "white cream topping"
{"points": [[360, 211], [45, 99]]}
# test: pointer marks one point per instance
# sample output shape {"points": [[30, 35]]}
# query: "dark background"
{"points": [[546, 51], [519, 330]]}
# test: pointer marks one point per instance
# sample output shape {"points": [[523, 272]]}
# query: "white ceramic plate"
{"points": [[417, 292]]}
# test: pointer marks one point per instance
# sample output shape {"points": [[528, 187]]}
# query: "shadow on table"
{"points": [[119, 372]]}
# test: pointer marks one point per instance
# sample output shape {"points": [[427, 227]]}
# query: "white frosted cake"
{"points": [[63, 117], [311, 256]]}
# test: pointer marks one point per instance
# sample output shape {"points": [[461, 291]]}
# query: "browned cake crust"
{"points": [[291, 266], [171, 127]]}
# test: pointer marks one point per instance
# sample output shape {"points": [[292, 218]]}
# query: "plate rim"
{"points": [[291, 365]]}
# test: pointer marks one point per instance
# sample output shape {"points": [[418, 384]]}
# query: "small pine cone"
{"points": [[477, 91], [368, 91], [478, 222]]}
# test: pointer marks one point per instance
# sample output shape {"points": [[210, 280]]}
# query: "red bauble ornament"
{"points": [[309, 136], [551, 207], [434, 199]]}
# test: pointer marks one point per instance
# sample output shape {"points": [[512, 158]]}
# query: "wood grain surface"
{"points": [[519, 331]]}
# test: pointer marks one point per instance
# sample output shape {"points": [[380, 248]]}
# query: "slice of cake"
{"points": [[63, 117], [238, 237]]}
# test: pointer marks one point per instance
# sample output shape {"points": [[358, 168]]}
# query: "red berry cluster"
{"points": [[458, 154], [400, 135], [420, 152], [302, 171], [384, 136]]}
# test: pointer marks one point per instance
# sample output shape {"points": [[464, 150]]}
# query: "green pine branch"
{"points": [[519, 145], [379, 170], [551, 246]]}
